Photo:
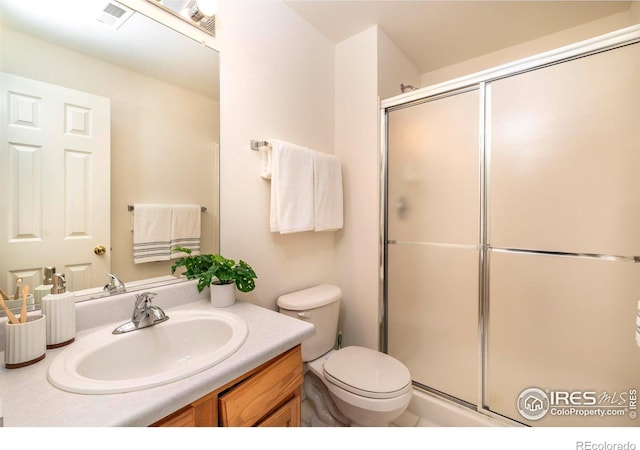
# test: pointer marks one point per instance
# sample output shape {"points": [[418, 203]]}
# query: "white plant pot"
{"points": [[223, 295]]}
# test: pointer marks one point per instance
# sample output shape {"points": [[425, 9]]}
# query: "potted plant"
{"points": [[223, 275]]}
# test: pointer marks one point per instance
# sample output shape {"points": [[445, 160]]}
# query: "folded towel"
{"points": [[185, 229], [151, 232], [265, 161], [327, 192], [291, 188]]}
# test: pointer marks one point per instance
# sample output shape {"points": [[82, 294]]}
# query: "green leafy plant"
{"points": [[215, 269]]}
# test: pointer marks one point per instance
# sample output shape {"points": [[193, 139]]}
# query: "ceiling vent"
{"points": [[209, 24], [114, 14]]}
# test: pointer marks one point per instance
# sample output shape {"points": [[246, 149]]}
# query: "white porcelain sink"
{"points": [[189, 342]]}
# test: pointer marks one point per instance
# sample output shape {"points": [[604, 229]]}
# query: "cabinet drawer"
{"points": [[272, 385]]}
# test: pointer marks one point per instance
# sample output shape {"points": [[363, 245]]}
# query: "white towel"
{"points": [[327, 192], [265, 161], [151, 232], [185, 228], [291, 188]]}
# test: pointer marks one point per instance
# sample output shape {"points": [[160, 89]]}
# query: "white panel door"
{"points": [[54, 183]]}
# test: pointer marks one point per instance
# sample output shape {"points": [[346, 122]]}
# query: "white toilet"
{"points": [[352, 386]]}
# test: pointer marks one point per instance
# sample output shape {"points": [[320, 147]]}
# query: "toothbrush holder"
{"points": [[25, 343], [14, 304]]}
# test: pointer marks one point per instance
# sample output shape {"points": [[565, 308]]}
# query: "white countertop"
{"points": [[28, 399]]}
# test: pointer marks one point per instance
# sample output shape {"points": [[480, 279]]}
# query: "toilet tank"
{"points": [[319, 305]]}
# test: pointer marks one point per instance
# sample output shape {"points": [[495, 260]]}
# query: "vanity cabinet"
{"points": [[268, 396]]}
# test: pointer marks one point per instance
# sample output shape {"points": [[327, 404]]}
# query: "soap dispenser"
{"points": [[59, 307], [45, 287]]}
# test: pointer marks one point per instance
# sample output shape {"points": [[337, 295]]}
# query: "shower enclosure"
{"points": [[511, 204]]}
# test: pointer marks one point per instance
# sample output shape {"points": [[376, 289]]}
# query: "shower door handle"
{"points": [[402, 205]]}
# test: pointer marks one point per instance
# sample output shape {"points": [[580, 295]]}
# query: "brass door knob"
{"points": [[100, 250]]}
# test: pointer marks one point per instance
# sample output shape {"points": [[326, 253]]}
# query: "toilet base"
{"points": [[335, 407], [325, 412]]}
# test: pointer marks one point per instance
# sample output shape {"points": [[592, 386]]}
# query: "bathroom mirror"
{"points": [[163, 131]]}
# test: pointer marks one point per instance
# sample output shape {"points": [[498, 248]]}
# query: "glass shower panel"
{"points": [[565, 157], [433, 202], [565, 326], [433, 316], [433, 171]]}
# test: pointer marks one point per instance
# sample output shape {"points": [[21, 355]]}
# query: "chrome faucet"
{"points": [[114, 286], [144, 314]]}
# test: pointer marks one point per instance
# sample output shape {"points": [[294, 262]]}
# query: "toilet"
{"points": [[352, 386]]}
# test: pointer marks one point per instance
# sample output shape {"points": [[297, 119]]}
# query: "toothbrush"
{"points": [[4, 295], [23, 311], [12, 318], [18, 286]]}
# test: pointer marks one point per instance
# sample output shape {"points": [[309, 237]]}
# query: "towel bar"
{"points": [[255, 145], [130, 208]]}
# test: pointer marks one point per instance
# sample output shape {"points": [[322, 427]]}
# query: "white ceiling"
{"points": [[435, 34], [432, 34], [140, 44]]}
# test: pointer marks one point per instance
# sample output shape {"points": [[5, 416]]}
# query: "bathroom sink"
{"points": [[189, 342]]}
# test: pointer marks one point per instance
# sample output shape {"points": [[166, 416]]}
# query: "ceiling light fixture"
{"points": [[207, 8], [200, 13]]}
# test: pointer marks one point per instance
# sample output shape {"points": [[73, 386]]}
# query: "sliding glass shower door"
{"points": [[433, 257], [512, 240], [564, 230]]}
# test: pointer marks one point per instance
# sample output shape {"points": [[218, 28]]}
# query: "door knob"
{"points": [[100, 250]]}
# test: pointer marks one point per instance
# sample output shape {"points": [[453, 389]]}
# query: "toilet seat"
{"points": [[367, 373]]}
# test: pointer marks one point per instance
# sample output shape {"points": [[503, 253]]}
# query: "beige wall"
{"points": [[634, 12], [533, 47], [141, 130], [308, 91], [368, 66], [276, 82], [357, 146], [394, 68]]}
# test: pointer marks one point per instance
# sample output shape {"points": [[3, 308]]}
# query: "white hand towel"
{"points": [[151, 232], [327, 188], [291, 188], [265, 161], [185, 229]]}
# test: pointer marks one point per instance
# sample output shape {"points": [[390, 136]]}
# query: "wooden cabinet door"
{"points": [[201, 413], [274, 384], [288, 415], [268, 396]]}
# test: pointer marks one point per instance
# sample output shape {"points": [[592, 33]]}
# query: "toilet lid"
{"points": [[367, 372]]}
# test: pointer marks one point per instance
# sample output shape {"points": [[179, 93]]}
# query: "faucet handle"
{"points": [[144, 298], [114, 285]]}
